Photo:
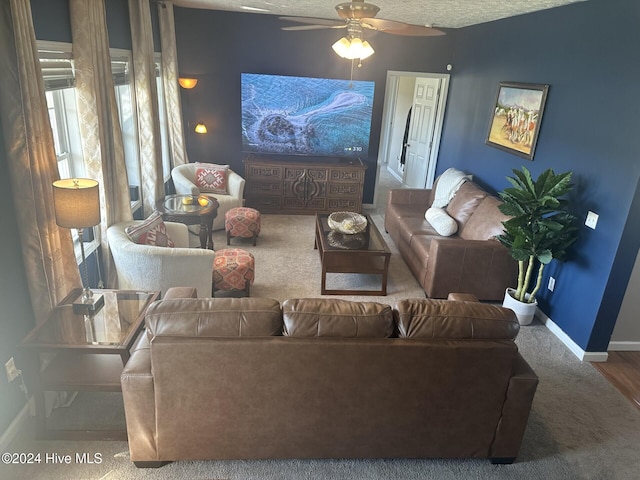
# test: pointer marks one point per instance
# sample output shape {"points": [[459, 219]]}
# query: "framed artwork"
{"points": [[516, 116]]}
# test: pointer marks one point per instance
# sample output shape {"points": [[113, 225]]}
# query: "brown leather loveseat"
{"points": [[469, 261], [249, 378]]}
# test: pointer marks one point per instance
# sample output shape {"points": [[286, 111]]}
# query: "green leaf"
{"points": [[540, 226]]}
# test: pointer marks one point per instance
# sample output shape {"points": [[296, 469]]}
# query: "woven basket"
{"points": [[347, 222]]}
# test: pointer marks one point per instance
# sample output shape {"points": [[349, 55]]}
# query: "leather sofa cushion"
{"points": [[428, 318], [464, 203], [214, 317], [486, 221], [414, 226], [329, 317]]}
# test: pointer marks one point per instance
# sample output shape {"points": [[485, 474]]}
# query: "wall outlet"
{"points": [[552, 284], [592, 220], [12, 371]]}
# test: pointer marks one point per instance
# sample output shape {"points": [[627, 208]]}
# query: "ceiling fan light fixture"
{"points": [[353, 48], [367, 50], [341, 47]]}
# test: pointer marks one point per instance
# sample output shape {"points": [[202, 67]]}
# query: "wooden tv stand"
{"points": [[291, 185]]}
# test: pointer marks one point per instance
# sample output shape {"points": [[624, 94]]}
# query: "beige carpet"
{"points": [[580, 427], [287, 266]]}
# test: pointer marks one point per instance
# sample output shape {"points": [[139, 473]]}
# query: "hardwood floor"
{"points": [[622, 370]]}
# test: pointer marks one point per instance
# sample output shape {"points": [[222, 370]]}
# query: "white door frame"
{"points": [[388, 114]]}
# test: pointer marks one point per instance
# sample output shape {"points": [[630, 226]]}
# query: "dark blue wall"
{"points": [[217, 47], [586, 52], [16, 315]]}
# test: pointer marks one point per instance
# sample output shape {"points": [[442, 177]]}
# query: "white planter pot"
{"points": [[524, 311]]}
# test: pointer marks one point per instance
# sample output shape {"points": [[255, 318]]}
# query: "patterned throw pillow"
{"points": [[152, 231], [212, 178]]}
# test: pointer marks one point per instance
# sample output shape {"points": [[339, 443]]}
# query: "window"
{"points": [[57, 71], [125, 100], [162, 114], [56, 64]]}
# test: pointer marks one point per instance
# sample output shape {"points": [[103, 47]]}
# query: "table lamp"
{"points": [[76, 202]]}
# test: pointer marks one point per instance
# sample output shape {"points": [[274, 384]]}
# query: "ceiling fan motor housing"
{"points": [[357, 9]]}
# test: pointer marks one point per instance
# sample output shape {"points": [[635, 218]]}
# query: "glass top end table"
{"points": [[112, 325], [187, 209], [77, 352]]}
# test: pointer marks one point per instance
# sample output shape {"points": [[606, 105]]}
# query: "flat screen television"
{"points": [[318, 117]]}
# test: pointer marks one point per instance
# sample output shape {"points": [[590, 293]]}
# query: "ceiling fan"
{"points": [[358, 15]]}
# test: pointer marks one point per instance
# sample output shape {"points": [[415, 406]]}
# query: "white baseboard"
{"points": [[394, 174], [569, 343], [15, 426], [624, 346]]}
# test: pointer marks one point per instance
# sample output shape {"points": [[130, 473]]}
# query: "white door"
{"points": [[421, 131]]}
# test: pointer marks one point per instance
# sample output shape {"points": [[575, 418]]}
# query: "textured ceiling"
{"points": [[436, 13]]}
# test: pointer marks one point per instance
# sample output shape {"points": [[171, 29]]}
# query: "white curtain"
{"points": [[170, 75], [47, 250], [152, 178], [99, 124]]}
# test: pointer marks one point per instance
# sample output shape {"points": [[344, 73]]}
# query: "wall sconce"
{"points": [[187, 83], [200, 128]]}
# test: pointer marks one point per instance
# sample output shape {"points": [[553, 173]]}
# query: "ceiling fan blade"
{"points": [[314, 21], [400, 28], [297, 28]]}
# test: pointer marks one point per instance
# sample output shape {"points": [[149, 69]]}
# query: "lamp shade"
{"points": [[352, 48], [187, 83], [76, 202]]}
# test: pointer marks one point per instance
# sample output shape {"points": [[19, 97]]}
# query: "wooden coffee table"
{"points": [[174, 209], [364, 253]]}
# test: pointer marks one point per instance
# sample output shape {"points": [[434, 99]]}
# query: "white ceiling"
{"points": [[436, 13]]}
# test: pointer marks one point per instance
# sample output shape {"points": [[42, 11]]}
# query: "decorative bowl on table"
{"points": [[347, 222]]}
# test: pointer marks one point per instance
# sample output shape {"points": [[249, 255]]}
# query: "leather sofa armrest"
{"points": [[515, 413], [462, 297], [409, 196], [483, 267], [139, 402]]}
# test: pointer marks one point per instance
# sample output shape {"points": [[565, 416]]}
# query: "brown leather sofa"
{"points": [[248, 378], [469, 261]]}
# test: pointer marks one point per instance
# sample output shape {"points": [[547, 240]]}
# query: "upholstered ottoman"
{"points": [[242, 222], [233, 269]]}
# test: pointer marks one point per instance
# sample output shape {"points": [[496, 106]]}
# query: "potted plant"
{"points": [[541, 229]]}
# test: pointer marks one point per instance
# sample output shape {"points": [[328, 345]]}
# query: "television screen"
{"points": [[306, 116]]}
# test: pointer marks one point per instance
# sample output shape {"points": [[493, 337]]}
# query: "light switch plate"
{"points": [[592, 220]]}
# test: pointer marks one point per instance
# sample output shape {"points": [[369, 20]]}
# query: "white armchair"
{"points": [[184, 180], [146, 267]]}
